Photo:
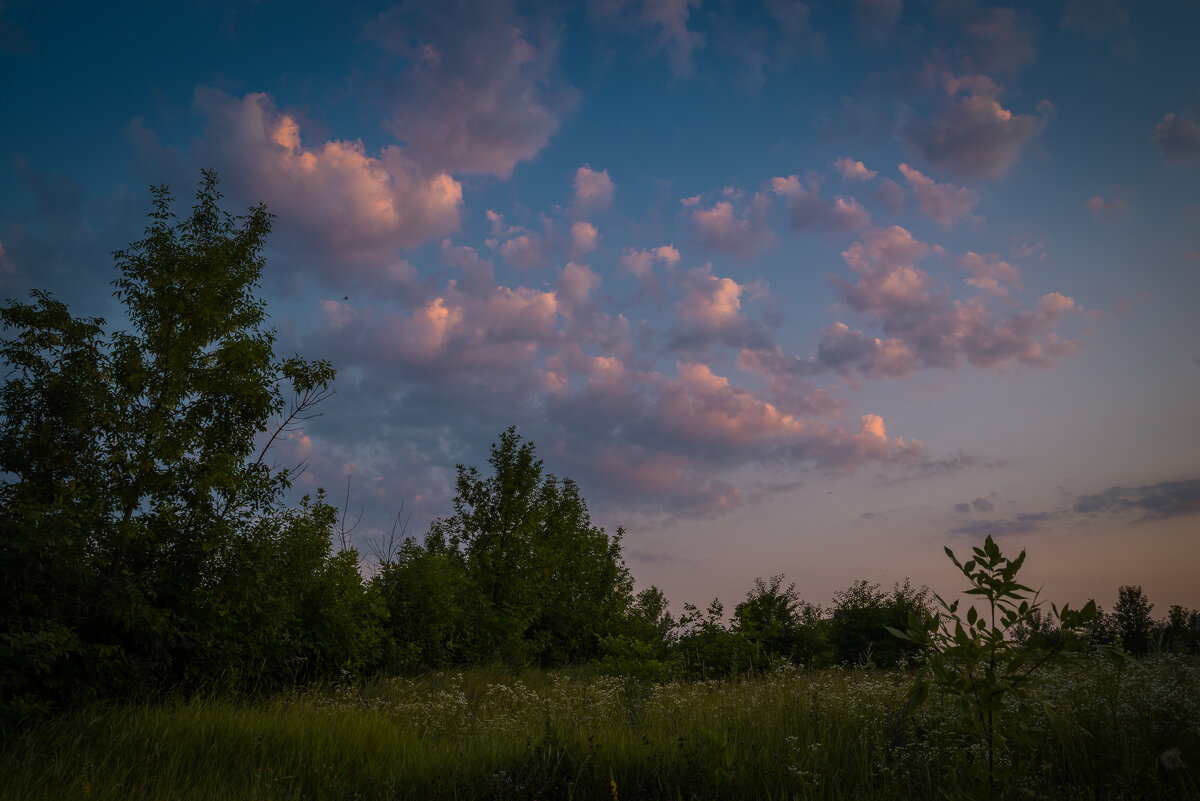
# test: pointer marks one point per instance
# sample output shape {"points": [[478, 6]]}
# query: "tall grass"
{"points": [[490, 733]]}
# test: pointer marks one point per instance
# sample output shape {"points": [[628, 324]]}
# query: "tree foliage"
{"points": [[521, 573], [144, 541]]}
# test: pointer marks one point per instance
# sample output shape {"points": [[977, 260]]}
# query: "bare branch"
{"points": [[343, 533], [385, 550]]}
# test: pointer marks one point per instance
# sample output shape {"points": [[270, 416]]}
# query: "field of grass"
{"points": [[487, 733]]}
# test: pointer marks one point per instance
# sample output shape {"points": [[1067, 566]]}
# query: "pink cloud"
{"points": [[672, 482], [593, 190], [808, 210], [934, 330], [848, 215], [640, 263], [1113, 207], [852, 170], [480, 90], [1177, 138], [945, 204], [478, 274], [710, 303], [990, 273], [711, 311], [353, 206], [455, 334], [841, 347], [703, 407], [787, 382], [584, 238], [575, 287], [741, 233], [523, 251], [974, 135]]}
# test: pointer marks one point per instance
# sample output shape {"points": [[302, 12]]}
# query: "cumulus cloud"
{"points": [[663, 22], [945, 204], [974, 136], [652, 441], [807, 210], [478, 275], [843, 348], [593, 189], [788, 384], [1177, 138], [523, 251], [1112, 204], [990, 273], [354, 207], [712, 414], [584, 238], [480, 89], [742, 233], [640, 262], [925, 327], [711, 311], [574, 289], [852, 170]]}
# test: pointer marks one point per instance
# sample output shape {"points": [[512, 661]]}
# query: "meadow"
{"points": [[1093, 730]]}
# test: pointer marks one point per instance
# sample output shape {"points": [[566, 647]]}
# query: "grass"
{"points": [[489, 733]]}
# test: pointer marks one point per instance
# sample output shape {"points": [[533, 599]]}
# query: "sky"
{"points": [[787, 287]]}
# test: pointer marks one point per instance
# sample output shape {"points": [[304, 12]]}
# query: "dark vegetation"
{"points": [[148, 551]]}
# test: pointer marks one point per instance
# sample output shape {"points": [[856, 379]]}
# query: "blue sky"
{"points": [[813, 288]]}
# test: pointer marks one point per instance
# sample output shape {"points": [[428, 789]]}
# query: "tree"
{"points": [[551, 583], [785, 626], [1132, 618], [139, 516], [430, 602], [1182, 629], [858, 631]]}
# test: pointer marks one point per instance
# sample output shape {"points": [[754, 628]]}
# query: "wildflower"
{"points": [[1171, 759]]}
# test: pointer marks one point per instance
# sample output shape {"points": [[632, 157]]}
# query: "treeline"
{"points": [[147, 545]]}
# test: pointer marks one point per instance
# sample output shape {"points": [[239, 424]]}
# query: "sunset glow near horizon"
{"points": [[803, 288]]}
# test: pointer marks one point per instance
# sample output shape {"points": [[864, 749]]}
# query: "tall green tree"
{"points": [[550, 583], [142, 532]]}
